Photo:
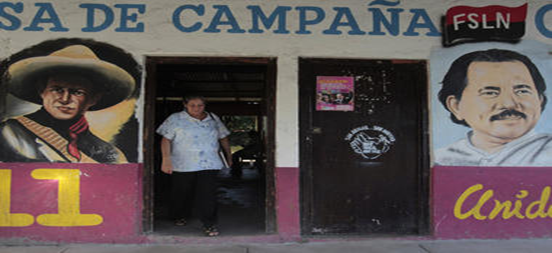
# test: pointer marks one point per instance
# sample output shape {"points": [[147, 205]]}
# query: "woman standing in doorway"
{"points": [[190, 146]]}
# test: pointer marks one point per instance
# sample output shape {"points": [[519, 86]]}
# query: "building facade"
{"points": [[362, 129]]}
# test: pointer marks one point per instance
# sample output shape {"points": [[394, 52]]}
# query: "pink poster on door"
{"points": [[335, 93]]}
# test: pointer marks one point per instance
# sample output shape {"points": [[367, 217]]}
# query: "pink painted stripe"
{"points": [[287, 202]]}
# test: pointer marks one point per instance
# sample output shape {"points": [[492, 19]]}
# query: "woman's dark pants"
{"points": [[195, 187]]}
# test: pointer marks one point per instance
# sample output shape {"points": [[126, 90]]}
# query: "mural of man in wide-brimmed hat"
{"points": [[67, 83]]}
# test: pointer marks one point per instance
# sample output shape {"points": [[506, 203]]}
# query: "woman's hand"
{"points": [[166, 166], [229, 159]]}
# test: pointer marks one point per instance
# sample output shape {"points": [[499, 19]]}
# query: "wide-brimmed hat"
{"points": [[27, 76]]}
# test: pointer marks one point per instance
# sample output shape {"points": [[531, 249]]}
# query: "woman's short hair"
{"points": [[187, 98]]}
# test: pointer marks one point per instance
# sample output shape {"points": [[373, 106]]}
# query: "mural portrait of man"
{"points": [[500, 95], [67, 79]]}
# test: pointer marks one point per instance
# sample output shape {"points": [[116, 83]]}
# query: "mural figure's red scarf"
{"points": [[74, 130]]}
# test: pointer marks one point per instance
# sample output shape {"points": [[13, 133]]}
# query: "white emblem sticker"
{"points": [[370, 142]]}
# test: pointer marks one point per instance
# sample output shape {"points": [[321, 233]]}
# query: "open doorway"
{"points": [[241, 92]]}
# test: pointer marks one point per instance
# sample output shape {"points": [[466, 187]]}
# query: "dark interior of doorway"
{"points": [[236, 93]]}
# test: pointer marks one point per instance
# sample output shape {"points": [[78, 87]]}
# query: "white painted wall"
{"points": [[160, 37]]}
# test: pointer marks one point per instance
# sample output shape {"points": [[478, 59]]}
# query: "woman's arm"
{"points": [[225, 143], [166, 165]]}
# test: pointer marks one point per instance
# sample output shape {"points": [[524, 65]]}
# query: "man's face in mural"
{"points": [[500, 102], [67, 96]]}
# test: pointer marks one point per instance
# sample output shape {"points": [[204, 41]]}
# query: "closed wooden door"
{"points": [[364, 156]]}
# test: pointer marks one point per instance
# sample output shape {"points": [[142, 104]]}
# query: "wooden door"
{"points": [[364, 167]]}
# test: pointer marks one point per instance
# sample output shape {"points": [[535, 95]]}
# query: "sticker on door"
{"points": [[370, 142]]}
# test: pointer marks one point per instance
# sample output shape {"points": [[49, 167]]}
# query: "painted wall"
{"points": [[491, 202], [70, 202], [450, 132], [89, 122], [308, 28], [286, 30], [491, 139]]}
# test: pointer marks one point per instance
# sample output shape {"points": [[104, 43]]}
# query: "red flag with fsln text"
{"points": [[489, 23]]}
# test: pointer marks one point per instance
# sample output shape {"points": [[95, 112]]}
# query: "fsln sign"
{"points": [[489, 23]]}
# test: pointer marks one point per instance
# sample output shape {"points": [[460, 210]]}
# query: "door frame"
{"points": [[306, 109], [149, 128]]}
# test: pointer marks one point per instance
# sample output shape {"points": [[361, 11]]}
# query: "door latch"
{"points": [[316, 130]]}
